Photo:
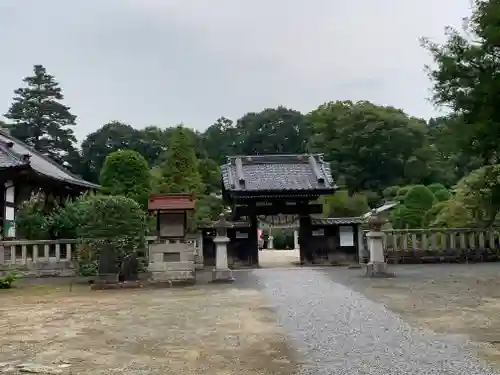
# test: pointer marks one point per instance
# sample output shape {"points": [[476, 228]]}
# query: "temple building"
{"points": [[25, 172]]}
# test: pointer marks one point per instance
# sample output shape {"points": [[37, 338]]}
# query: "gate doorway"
{"points": [[280, 237], [262, 186]]}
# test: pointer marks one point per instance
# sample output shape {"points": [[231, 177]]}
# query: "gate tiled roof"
{"points": [[277, 173]]}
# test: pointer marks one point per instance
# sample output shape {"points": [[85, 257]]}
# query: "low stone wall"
{"points": [[443, 256], [54, 258], [440, 245], [40, 269], [38, 258]]}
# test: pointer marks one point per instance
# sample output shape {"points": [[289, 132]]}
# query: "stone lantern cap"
{"points": [[375, 222], [222, 223], [221, 226]]}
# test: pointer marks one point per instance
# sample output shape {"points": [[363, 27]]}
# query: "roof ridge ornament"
{"points": [[315, 168], [239, 172]]}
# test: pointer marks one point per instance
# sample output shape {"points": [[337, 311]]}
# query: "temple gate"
{"points": [[260, 186]]}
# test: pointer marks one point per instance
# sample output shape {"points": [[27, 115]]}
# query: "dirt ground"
{"points": [[278, 258], [455, 299], [198, 330], [224, 329]]}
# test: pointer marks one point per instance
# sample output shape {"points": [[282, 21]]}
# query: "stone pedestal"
{"points": [[377, 266], [198, 255], [171, 261], [221, 272], [270, 242]]}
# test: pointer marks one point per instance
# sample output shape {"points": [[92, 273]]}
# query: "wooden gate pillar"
{"points": [[305, 234], [253, 238]]}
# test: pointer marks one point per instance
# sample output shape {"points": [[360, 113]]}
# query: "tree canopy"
{"points": [[126, 172], [371, 147], [39, 119], [466, 79], [180, 173]]}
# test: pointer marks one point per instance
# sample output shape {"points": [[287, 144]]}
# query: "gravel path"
{"points": [[340, 331]]}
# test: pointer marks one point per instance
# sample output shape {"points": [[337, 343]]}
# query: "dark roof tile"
{"points": [[336, 220], [8, 158], [273, 173], [13, 157]]}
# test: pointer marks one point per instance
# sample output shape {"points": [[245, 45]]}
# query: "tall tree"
{"points": [[444, 137], [220, 140], [126, 172], [466, 79], [371, 147], [272, 131], [180, 169], [40, 119], [210, 175], [98, 145], [152, 143]]}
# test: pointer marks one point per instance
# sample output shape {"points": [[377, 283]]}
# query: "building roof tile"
{"points": [[14, 153], [336, 220], [277, 173], [171, 202]]}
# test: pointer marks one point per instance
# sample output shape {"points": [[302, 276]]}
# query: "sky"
{"points": [[165, 62]]}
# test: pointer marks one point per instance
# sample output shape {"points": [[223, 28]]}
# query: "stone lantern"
{"points": [[221, 272], [375, 222], [377, 266]]}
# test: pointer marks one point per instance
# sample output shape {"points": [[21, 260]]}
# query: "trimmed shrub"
{"points": [[431, 215], [126, 172], [436, 187], [442, 195], [419, 198], [391, 192], [113, 222], [410, 214]]}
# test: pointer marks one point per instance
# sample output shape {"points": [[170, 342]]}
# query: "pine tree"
{"points": [[40, 119], [180, 169]]}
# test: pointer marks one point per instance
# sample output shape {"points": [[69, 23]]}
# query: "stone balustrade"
{"points": [[441, 245], [38, 258], [54, 257], [22, 252]]}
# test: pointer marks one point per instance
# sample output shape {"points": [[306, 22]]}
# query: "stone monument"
{"points": [[377, 266], [107, 270], [129, 270], [171, 255], [221, 272], [112, 276]]}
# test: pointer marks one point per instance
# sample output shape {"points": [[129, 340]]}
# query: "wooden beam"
{"points": [[280, 209]]}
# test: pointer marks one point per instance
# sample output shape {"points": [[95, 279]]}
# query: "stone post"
{"points": [[377, 266], [198, 258], [270, 244], [363, 253], [296, 245], [221, 272]]}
